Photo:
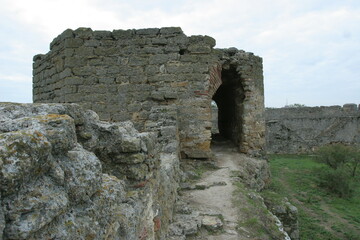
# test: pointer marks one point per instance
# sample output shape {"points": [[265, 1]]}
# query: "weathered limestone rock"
{"points": [[254, 173], [104, 217], [185, 225], [212, 223], [84, 169], [22, 154], [288, 215], [67, 175], [2, 219], [33, 207]]}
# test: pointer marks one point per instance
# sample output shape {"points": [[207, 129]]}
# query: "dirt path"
{"points": [[216, 200], [223, 204]]}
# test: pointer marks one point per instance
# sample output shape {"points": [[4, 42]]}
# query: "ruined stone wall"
{"points": [[251, 137], [303, 129], [123, 74]]}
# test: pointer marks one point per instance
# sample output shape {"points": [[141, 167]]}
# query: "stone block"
{"points": [[68, 52], [212, 223], [210, 41], [170, 94], [83, 71], [95, 62], [199, 49], [147, 31], [107, 51], [138, 61], [122, 79], [161, 59], [159, 41], [172, 49], [92, 43], [73, 43], [106, 80], [83, 33], [68, 89], [134, 107], [123, 34], [158, 96], [66, 73], [123, 60], [102, 35], [152, 50], [170, 30], [152, 70], [68, 33], [84, 51], [181, 40], [177, 68], [75, 61]]}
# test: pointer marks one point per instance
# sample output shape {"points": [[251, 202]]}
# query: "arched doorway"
{"points": [[229, 99]]}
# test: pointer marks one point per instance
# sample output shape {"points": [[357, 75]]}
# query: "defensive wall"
{"points": [[303, 129]]}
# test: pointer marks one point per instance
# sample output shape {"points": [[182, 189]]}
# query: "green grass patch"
{"points": [[253, 215], [321, 215]]}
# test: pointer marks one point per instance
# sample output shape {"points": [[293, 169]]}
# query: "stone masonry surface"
{"points": [[303, 129], [122, 75]]}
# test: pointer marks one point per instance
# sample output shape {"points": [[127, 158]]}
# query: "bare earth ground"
{"points": [[217, 200], [219, 205]]}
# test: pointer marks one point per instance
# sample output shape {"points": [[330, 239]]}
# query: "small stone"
{"points": [[212, 223]]}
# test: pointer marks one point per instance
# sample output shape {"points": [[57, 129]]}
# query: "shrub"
{"points": [[340, 156], [336, 181], [333, 155], [338, 176]]}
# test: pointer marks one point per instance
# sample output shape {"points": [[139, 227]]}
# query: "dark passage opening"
{"points": [[229, 99]]}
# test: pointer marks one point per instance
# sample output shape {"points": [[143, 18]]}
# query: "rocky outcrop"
{"points": [[303, 129], [66, 175], [287, 214]]}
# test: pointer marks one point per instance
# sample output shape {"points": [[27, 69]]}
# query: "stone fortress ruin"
{"points": [[115, 117], [127, 74], [113, 172]]}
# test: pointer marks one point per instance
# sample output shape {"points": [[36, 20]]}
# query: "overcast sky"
{"points": [[310, 48]]}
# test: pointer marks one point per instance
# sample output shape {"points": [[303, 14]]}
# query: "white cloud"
{"points": [[19, 78], [51, 17], [309, 47]]}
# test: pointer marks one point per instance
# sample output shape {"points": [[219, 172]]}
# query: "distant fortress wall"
{"points": [[303, 129]]}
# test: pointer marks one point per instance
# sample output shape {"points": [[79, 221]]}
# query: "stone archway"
{"points": [[228, 93]]}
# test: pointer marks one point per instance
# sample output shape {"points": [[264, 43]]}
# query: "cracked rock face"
{"points": [[66, 175]]}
